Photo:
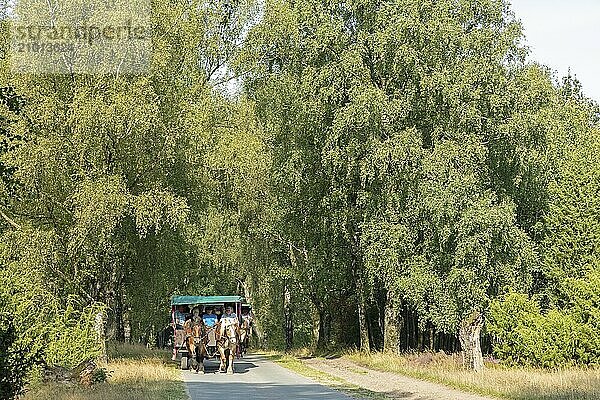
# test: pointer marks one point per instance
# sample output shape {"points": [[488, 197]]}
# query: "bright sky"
{"points": [[564, 34]]}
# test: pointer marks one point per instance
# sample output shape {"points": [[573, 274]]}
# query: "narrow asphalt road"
{"points": [[255, 378]]}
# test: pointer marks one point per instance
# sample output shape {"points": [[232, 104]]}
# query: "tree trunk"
{"points": [[381, 309], [362, 318], [431, 337], [392, 325], [469, 335], [288, 317], [118, 319], [127, 327], [99, 328], [321, 331], [256, 321], [323, 338], [363, 326]]}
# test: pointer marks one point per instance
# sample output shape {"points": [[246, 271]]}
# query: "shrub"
{"points": [[15, 362], [72, 338], [46, 319], [524, 335]]}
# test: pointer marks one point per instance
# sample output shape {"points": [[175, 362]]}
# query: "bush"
{"points": [[71, 337], [46, 319], [524, 335], [15, 362]]}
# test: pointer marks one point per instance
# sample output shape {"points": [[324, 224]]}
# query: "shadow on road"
{"points": [[240, 366]]}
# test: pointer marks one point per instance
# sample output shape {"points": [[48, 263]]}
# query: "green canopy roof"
{"points": [[185, 300]]}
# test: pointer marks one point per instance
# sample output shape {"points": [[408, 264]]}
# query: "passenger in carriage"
{"points": [[246, 328], [196, 315], [209, 318], [247, 315], [229, 314], [192, 320], [181, 315], [219, 313]]}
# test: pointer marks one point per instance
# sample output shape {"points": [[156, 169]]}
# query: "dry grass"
{"points": [[496, 380], [293, 363], [135, 373], [135, 351]]}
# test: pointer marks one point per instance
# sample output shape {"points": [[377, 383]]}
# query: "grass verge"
{"points": [[135, 373], [495, 380], [293, 363]]}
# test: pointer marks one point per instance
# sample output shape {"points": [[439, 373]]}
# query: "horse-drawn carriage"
{"points": [[202, 330]]}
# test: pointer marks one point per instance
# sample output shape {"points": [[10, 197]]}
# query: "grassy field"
{"points": [[135, 373], [496, 380]]}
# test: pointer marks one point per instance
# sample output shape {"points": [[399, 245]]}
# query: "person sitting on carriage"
{"points": [[193, 320], [247, 319], [196, 315], [209, 318], [247, 315], [219, 313], [180, 316], [246, 328], [229, 314]]}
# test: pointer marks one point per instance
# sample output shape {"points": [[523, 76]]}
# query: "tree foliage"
{"points": [[376, 174]]}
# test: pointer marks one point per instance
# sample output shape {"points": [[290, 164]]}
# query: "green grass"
{"points": [[294, 363], [135, 373], [495, 380]]}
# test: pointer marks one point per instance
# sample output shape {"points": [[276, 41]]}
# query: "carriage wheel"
{"points": [[184, 363]]}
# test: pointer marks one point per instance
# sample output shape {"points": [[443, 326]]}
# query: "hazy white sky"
{"points": [[564, 34]]}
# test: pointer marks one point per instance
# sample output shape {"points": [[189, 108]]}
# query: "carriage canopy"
{"points": [[187, 300]]}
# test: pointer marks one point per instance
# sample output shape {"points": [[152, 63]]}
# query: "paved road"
{"points": [[255, 378]]}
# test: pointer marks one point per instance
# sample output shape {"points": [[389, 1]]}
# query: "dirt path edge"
{"points": [[393, 385]]}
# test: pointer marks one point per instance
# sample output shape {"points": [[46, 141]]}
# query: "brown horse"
{"points": [[196, 339], [245, 334], [228, 333]]}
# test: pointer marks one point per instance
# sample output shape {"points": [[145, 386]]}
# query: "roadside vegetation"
{"points": [[496, 380], [134, 372], [516, 383]]}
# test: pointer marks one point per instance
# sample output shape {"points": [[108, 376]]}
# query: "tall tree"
{"points": [[392, 116]]}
